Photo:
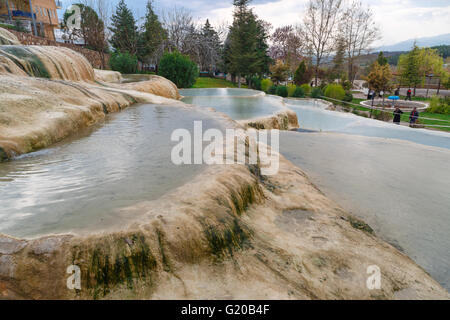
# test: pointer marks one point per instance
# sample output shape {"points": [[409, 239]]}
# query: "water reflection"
{"points": [[243, 104], [239, 104], [79, 184]]}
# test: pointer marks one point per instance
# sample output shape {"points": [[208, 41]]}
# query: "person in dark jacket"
{"points": [[413, 117], [397, 115], [397, 92], [408, 95]]}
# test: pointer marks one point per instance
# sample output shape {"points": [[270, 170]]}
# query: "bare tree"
{"points": [[319, 29], [202, 43], [286, 46], [358, 31], [179, 25]]}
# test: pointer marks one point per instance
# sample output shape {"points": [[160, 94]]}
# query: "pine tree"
{"points": [[152, 36], [337, 71], [125, 35], [248, 46], [210, 48], [382, 60], [303, 74], [262, 47]]}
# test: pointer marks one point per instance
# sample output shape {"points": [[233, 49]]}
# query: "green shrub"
{"points": [[439, 105], [348, 97], [291, 89], [282, 91], [299, 93], [179, 69], [316, 93], [123, 62], [303, 74], [255, 83], [335, 91], [273, 89], [347, 85], [266, 84], [306, 88]]}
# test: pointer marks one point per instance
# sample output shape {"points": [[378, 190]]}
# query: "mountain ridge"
{"points": [[443, 39]]}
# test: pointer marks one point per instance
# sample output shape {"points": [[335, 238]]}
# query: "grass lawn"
{"points": [[405, 117], [436, 116], [214, 83]]}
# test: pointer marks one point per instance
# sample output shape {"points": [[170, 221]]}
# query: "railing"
{"points": [[352, 105]]}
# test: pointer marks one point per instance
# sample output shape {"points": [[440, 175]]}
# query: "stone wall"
{"points": [[93, 57]]}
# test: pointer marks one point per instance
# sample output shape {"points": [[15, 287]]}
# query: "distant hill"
{"points": [[443, 50], [443, 39]]}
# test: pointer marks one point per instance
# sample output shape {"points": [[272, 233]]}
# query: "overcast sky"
{"points": [[399, 20]]}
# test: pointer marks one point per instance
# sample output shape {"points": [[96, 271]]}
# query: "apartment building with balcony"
{"points": [[37, 16]]}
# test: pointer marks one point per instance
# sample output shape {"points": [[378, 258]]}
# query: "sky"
{"points": [[399, 20]]}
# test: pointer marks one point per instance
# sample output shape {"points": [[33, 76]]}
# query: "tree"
{"points": [[123, 27], [382, 60], [409, 66], [248, 47], [179, 25], [262, 47], [151, 38], [318, 29], [286, 45], [359, 31], [420, 63], [337, 71], [93, 30], [303, 74], [380, 77], [279, 72], [211, 47]]}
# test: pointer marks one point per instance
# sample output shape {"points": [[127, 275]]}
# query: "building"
{"points": [[42, 22]]}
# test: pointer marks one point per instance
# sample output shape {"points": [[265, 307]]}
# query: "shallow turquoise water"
{"points": [[239, 104], [79, 184], [318, 119], [243, 104]]}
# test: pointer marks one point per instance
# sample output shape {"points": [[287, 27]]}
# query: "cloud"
{"points": [[399, 20]]}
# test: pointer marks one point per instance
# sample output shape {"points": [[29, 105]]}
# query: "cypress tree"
{"points": [[248, 46], [152, 36], [382, 60], [303, 74], [125, 35], [210, 48]]}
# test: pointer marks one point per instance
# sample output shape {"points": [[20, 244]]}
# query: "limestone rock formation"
{"points": [[7, 37], [107, 76]]}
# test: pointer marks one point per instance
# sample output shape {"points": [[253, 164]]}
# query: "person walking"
{"points": [[397, 92], [397, 115], [413, 117], [409, 94]]}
